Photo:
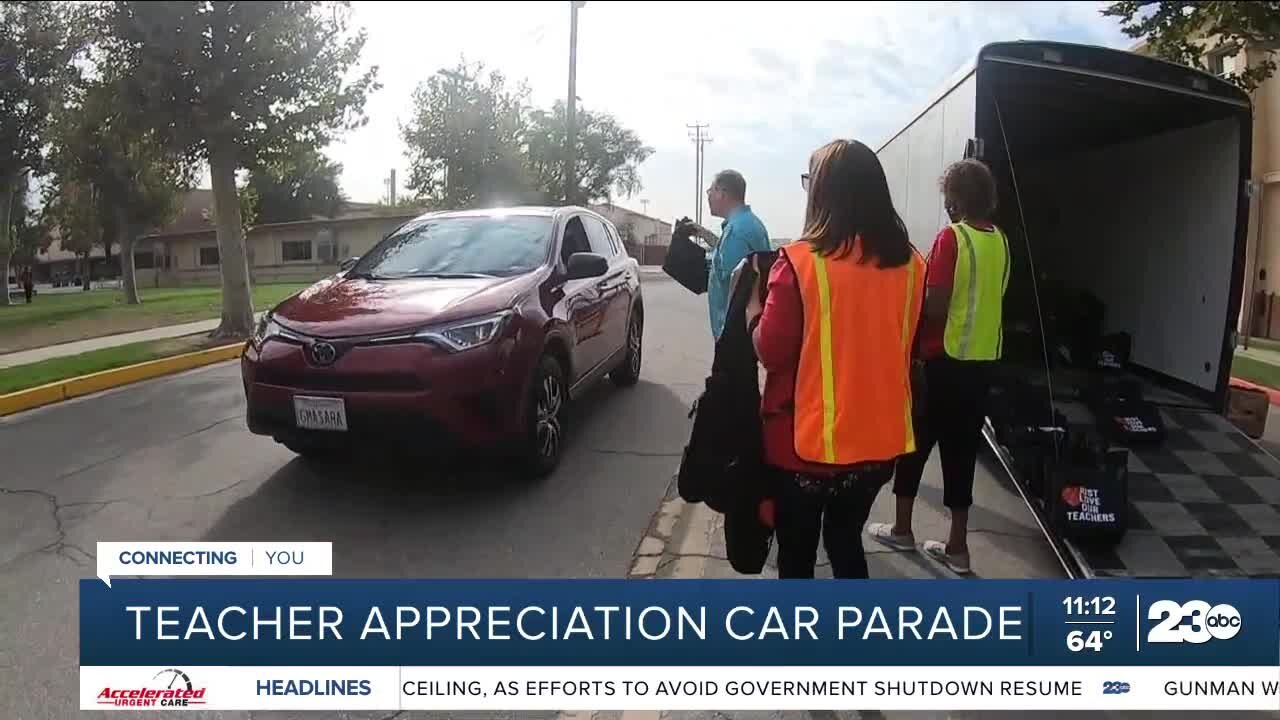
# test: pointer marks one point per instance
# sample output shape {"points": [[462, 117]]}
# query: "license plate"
{"points": [[320, 413]]}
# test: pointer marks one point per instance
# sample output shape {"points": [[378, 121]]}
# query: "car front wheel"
{"points": [[544, 441]]}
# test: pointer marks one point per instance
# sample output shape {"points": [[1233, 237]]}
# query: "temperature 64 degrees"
{"points": [[1078, 640]]}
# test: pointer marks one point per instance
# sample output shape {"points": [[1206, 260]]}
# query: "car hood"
{"points": [[344, 307]]}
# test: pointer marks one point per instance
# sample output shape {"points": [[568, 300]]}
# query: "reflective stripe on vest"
{"points": [[853, 388], [974, 321]]}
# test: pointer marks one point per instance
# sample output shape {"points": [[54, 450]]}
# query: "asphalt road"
{"points": [[171, 460]]}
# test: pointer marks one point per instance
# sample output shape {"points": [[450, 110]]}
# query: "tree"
{"points": [[233, 83], [75, 211], [100, 142], [606, 162], [466, 139], [1188, 32], [299, 185], [35, 51], [28, 232]]}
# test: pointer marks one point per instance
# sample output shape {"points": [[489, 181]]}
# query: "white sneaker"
{"points": [[884, 534], [957, 563]]}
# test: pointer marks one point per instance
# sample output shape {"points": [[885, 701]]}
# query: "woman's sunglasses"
{"points": [[804, 181]]}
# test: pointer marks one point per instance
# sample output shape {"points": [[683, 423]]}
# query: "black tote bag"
{"points": [[686, 260]]}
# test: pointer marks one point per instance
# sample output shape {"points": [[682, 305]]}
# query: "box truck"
{"points": [[1123, 179]]}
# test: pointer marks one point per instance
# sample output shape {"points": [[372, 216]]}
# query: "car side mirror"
{"points": [[347, 264], [586, 265]]}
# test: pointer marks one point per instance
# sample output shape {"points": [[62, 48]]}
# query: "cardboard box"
{"points": [[1247, 409]]}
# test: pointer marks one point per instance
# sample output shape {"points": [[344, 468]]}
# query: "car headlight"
{"points": [[268, 328], [467, 334]]}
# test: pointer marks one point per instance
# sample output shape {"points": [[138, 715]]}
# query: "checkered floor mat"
{"points": [[1204, 504]]}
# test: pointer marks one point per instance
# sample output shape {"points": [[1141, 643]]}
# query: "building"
{"points": [[646, 238], [185, 252], [1262, 258]]}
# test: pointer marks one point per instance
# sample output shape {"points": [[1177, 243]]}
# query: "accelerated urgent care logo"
{"points": [[168, 688]]}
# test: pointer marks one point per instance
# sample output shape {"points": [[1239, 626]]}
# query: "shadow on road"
{"points": [[396, 515]]}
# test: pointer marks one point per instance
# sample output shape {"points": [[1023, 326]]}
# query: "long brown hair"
{"points": [[849, 200]]}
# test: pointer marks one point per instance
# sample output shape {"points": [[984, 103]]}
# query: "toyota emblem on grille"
{"points": [[324, 353]]}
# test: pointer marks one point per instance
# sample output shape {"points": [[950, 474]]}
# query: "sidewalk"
{"points": [[686, 541], [1004, 540], [26, 357], [1261, 354]]}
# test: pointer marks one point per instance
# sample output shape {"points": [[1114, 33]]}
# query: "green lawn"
{"points": [[52, 319], [22, 377], [1256, 371]]}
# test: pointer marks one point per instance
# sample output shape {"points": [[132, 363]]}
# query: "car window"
{"points": [[575, 239], [599, 238], [484, 245], [618, 245]]}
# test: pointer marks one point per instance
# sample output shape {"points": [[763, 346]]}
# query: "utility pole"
{"points": [[644, 205], [571, 139], [391, 188], [456, 81], [700, 138]]}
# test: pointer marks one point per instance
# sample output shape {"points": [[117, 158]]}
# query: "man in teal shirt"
{"points": [[741, 234]]}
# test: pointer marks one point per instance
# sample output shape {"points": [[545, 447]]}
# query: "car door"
{"points": [[614, 287], [583, 302]]}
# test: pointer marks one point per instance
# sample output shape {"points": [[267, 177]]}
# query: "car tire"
{"points": [[544, 428], [628, 373]]}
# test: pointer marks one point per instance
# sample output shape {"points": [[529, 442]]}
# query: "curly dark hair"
{"points": [[969, 191]]}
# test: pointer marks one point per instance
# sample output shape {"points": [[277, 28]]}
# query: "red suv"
{"points": [[463, 329]]}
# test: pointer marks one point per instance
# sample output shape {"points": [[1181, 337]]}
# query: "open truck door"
{"points": [[1122, 186]]}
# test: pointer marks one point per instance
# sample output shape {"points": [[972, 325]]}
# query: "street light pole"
{"points": [[570, 182]]}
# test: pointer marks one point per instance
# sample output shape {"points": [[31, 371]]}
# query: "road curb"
{"points": [[678, 541], [60, 390]]}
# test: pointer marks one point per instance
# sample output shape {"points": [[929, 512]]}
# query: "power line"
{"points": [[700, 138]]}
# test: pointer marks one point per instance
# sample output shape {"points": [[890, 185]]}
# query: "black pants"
{"points": [[28, 291], [805, 513], [955, 405]]}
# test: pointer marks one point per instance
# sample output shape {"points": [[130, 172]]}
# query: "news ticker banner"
{"points": [[302, 643]]}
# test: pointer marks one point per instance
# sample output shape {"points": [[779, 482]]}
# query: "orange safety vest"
{"points": [[853, 386]]}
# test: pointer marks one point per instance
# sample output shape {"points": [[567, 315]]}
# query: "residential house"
{"points": [[185, 252], [646, 238]]}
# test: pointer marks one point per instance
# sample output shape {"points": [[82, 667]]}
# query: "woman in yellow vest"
{"points": [[835, 335], [960, 339]]}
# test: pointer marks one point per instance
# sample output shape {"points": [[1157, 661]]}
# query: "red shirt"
{"points": [[941, 275], [777, 339]]}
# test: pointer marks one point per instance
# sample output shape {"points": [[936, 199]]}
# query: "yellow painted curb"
{"points": [[96, 382]]}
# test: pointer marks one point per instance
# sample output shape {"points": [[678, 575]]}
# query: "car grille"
{"points": [[340, 382]]}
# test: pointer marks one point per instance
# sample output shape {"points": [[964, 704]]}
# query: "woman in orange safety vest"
{"points": [[834, 335]]}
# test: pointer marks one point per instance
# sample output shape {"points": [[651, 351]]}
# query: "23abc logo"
{"points": [[1192, 622], [1113, 687]]}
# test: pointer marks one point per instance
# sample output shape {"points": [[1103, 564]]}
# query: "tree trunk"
{"points": [[128, 278], [6, 249], [237, 300], [86, 274]]}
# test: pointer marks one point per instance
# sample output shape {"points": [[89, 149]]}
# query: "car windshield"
{"points": [[497, 245]]}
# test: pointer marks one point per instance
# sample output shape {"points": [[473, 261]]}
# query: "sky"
{"points": [[773, 80]]}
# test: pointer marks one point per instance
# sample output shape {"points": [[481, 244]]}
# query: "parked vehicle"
{"points": [[468, 329]]}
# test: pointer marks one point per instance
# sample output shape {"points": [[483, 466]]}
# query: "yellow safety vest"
{"points": [[975, 320]]}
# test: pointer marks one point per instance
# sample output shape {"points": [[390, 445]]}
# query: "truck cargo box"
{"points": [[1123, 185]]}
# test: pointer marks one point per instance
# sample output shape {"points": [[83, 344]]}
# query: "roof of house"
{"points": [[196, 216], [609, 207]]}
